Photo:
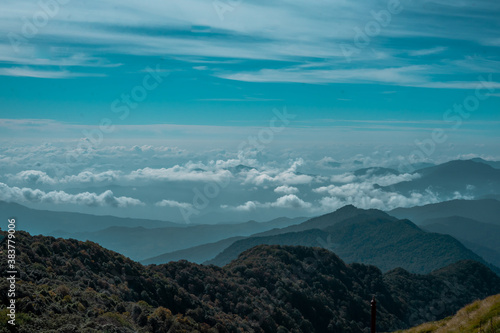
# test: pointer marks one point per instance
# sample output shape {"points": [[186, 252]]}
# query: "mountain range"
{"points": [[469, 177], [47, 222], [482, 238], [140, 243], [365, 236], [74, 286], [485, 210]]}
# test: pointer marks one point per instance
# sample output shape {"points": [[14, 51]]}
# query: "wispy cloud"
{"points": [[410, 76], [245, 99], [313, 33], [425, 52], [44, 74]]}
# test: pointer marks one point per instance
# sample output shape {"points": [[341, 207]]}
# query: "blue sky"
{"points": [[184, 83], [231, 67]]}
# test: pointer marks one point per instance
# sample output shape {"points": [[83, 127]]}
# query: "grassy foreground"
{"points": [[480, 316]]}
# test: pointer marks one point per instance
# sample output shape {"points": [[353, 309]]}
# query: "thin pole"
{"points": [[374, 314]]}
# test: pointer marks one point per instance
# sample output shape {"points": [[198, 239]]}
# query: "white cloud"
{"points": [[42, 74], [286, 189], [174, 204], [364, 195], [106, 198], [289, 176], [393, 179], [289, 201], [343, 178], [32, 177], [91, 177], [179, 173], [407, 76], [328, 163], [246, 207], [313, 32], [424, 52]]}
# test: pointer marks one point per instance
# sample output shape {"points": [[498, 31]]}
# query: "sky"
{"points": [[114, 90]]}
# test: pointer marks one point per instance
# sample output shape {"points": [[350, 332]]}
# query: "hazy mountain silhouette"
{"points": [[197, 254], [51, 222], [494, 164], [140, 243], [485, 210], [376, 171], [460, 176], [365, 236], [324, 221], [482, 238]]}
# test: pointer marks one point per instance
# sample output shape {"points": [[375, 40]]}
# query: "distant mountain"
{"points": [[415, 166], [494, 164], [376, 171], [72, 286], [482, 238], [239, 168], [365, 236], [140, 243], [490, 196], [423, 165], [486, 210], [197, 254], [331, 219], [470, 177], [47, 222], [489, 255], [480, 316], [333, 164], [311, 238]]}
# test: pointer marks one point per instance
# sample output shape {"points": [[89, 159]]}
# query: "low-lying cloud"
{"points": [[290, 201], [25, 194]]}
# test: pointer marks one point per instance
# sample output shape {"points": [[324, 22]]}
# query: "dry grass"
{"points": [[480, 316]]}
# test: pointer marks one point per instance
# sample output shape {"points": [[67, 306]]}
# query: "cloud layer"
{"points": [[28, 195], [158, 182]]}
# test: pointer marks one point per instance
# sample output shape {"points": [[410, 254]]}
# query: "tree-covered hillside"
{"points": [[73, 286]]}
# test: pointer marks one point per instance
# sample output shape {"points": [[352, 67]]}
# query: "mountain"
{"points": [[50, 222], [239, 168], [311, 238], [376, 171], [140, 243], [330, 219], [474, 178], [366, 236], [197, 254], [482, 238], [494, 164], [480, 316], [490, 196], [485, 210], [74, 286]]}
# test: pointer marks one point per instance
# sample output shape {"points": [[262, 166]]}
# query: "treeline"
{"points": [[73, 286]]}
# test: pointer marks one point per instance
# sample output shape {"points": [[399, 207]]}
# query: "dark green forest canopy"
{"points": [[73, 286]]}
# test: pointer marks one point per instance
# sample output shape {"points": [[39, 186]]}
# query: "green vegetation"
{"points": [[480, 316], [74, 286]]}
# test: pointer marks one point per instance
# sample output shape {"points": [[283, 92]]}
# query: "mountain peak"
{"points": [[349, 208]]}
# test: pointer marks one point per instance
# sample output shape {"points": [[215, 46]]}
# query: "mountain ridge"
{"points": [[79, 286], [371, 239]]}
